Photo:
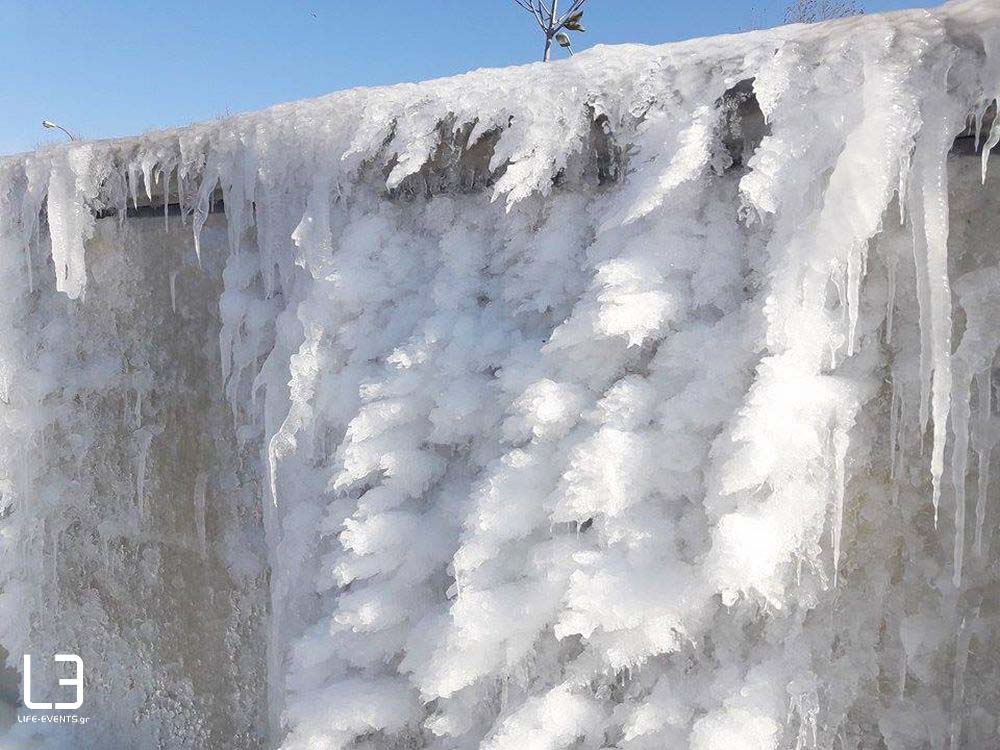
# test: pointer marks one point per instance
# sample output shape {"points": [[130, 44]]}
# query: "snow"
{"points": [[626, 401]]}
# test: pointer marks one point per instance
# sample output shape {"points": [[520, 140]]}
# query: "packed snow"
{"points": [[641, 400]]}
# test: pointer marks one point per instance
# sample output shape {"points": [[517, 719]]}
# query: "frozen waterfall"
{"points": [[642, 400]]}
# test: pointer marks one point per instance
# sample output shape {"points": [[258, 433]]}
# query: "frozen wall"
{"points": [[132, 530], [642, 400]]}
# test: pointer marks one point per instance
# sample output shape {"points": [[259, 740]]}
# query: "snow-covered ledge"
{"points": [[641, 400]]}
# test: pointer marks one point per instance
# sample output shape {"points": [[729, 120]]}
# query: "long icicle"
{"points": [[959, 463], [962, 642], [840, 444], [984, 447], [931, 221], [991, 141]]}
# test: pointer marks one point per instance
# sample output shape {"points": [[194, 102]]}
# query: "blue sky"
{"points": [[114, 68]]}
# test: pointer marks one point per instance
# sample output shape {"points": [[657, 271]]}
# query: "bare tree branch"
{"points": [[549, 13], [540, 15], [534, 11]]}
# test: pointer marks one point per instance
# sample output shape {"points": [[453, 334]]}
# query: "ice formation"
{"points": [[641, 400]]}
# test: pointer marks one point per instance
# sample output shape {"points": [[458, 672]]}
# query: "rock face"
{"points": [[642, 400]]}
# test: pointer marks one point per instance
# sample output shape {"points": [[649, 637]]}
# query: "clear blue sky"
{"points": [[112, 67]]}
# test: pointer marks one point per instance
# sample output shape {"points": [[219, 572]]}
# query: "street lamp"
{"points": [[564, 41], [56, 126]]}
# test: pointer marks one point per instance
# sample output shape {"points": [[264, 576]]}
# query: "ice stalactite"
{"points": [[144, 439], [929, 210], [991, 141], [984, 439], [72, 186], [200, 492], [840, 445], [959, 462], [962, 641], [890, 304]]}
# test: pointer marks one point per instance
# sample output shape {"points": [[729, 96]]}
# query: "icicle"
{"points": [[992, 141], [203, 206], [978, 117], [984, 483], [173, 291], [133, 183], [893, 427], [121, 197], [959, 463], [71, 222], [145, 436], [840, 284], [227, 335], [924, 307], [904, 184], [941, 393], [182, 189], [890, 304], [167, 171], [27, 263], [147, 177], [902, 674], [272, 467], [931, 221], [855, 271], [962, 642], [145, 440], [840, 443], [200, 488], [984, 449]]}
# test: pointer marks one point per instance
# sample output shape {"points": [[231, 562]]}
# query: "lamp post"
{"points": [[48, 124]]}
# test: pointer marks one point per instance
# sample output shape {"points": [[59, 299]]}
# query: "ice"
{"points": [[71, 185], [991, 141], [200, 490], [976, 354], [984, 438], [959, 463], [144, 439], [166, 198], [981, 500], [962, 641], [570, 405], [840, 445], [930, 193], [890, 305]]}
